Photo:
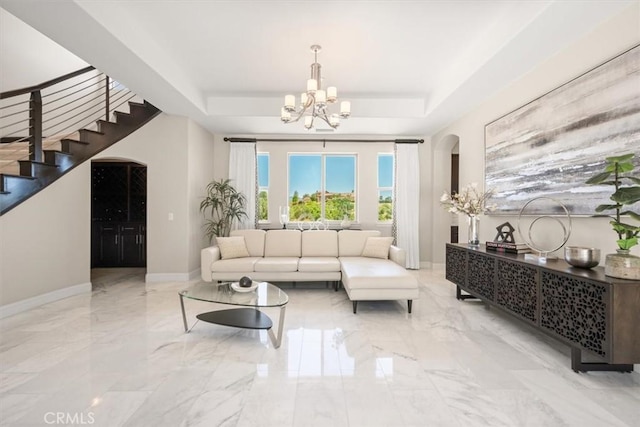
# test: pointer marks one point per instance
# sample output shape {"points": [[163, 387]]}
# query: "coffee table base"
{"points": [[246, 318]]}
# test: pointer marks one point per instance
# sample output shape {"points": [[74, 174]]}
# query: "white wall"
{"points": [[44, 242], [608, 40], [200, 168], [22, 62], [179, 158]]}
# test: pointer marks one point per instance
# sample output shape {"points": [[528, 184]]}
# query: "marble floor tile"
{"points": [[120, 355]]}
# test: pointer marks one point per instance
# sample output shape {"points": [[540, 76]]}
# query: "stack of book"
{"points": [[512, 248]]}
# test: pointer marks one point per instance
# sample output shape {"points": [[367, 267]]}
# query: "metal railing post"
{"points": [[106, 109], [35, 125]]}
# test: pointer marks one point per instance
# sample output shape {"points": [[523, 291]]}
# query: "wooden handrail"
{"points": [[46, 84]]}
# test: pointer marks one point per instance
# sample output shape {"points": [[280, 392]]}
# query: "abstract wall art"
{"points": [[552, 145]]}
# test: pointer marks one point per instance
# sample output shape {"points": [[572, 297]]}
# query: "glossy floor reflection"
{"points": [[119, 356]]}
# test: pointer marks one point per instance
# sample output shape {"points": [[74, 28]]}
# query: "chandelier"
{"points": [[314, 103]]}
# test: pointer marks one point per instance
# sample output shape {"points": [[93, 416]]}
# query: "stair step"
{"points": [[62, 160], [108, 127], [14, 187], [74, 149], [89, 136], [123, 118], [7, 179], [36, 169]]}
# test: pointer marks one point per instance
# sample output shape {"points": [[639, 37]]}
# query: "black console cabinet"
{"points": [[585, 309]]}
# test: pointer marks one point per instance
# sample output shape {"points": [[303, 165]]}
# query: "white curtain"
{"points": [[242, 172], [407, 202]]}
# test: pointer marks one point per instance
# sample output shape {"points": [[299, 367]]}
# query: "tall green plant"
{"points": [[617, 171], [223, 204]]}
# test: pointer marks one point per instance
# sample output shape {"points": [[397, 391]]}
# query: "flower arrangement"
{"points": [[469, 200]]}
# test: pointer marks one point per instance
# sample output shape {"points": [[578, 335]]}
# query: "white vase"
{"points": [[345, 222]]}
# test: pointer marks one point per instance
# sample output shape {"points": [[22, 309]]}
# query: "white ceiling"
{"points": [[409, 68]]}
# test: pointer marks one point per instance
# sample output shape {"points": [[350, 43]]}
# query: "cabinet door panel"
{"points": [[575, 309], [108, 245], [130, 245], [517, 289], [481, 275]]}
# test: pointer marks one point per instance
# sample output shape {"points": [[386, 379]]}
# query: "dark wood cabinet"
{"points": [[118, 212], [119, 245], [592, 313]]}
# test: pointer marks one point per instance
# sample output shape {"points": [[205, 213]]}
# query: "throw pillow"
{"points": [[232, 247], [377, 247]]}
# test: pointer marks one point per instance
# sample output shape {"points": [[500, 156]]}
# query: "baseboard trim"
{"points": [[195, 274], [426, 264], [33, 302]]}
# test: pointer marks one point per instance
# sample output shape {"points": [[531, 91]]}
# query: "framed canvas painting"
{"points": [[552, 145]]}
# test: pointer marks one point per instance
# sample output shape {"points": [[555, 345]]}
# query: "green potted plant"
{"points": [[223, 204], [618, 172]]}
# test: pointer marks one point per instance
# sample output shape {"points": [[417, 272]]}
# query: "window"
{"points": [[322, 186], [263, 187], [385, 187]]}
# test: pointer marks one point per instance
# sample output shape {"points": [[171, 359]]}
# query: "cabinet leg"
{"points": [[579, 366], [461, 296]]}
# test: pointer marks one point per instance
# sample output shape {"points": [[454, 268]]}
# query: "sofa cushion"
{"points": [[285, 243], [320, 243], [235, 264], [311, 264], [369, 273], [232, 247], [377, 247], [351, 242], [277, 264], [254, 239]]}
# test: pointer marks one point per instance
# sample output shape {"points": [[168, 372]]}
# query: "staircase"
{"points": [[30, 163]]}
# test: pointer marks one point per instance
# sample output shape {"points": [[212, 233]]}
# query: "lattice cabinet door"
{"points": [[456, 265], [577, 310], [481, 275], [517, 289]]}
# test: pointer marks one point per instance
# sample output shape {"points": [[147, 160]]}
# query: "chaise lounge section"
{"points": [[369, 267]]}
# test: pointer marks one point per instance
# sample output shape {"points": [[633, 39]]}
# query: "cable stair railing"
{"points": [[48, 129]]}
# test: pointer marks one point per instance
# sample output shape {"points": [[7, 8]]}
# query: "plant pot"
{"points": [[622, 265]]}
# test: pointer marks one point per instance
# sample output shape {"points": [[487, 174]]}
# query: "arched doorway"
{"points": [[445, 171], [118, 214]]}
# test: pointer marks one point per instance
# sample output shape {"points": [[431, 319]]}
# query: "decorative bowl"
{"points": [[582, 257]]}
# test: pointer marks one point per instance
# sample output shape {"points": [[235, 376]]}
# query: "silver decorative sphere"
{"points": [[245, 282]]}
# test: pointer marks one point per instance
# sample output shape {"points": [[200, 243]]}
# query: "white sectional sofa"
{"points": [[315, 255]]}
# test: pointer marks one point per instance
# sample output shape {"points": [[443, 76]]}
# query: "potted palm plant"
{"points": [[222, 205], [618, 172]]}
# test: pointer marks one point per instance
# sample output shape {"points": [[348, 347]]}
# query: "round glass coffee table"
{"points": [[245, 314]]}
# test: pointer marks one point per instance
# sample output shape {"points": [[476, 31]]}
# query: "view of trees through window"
{"points": [[385, 187], [263, 187], [322, 186]]}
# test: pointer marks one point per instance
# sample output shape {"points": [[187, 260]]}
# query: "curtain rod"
{"points": [[324, 141]]}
